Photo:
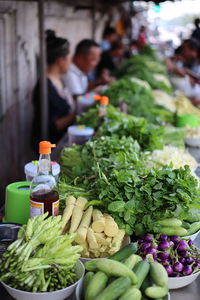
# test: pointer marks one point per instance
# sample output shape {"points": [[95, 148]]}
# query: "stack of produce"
{"points": [[98, 234], [149, 136], [139, 99], [179, 256], [113, 172], [164, 99], [178, 157], [41, 259], [144, 68], [123, 278]]}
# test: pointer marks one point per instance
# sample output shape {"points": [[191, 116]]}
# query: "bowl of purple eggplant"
{"points": [[179, 256]]}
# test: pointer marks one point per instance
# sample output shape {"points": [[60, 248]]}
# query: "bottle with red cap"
{"points": [[44, 197]]}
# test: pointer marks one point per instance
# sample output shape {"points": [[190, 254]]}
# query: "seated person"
{"points": [[184, 55], [111, 59], [109, 37], [60, 108], [86, 58], [196, 32]]}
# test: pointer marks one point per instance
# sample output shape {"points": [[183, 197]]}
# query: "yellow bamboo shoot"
{"points": [[83, 227], [92, 239], [111, 227], [77, 214], [70, 202]]}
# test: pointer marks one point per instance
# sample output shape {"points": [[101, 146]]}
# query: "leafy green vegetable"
{"points": [[42, 258], [139, 99]]}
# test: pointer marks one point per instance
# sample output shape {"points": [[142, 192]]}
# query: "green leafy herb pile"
{"points": [[139, 99], [149, 136], [41, 259], [112, 173], [144, 67]]}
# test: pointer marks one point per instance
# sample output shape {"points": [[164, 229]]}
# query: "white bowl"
{"points": [[179, 282], [193, 236], [57, 295], [79, 292], [192, 142], [125, 242]]}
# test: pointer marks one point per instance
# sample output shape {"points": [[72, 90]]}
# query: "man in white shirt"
{"points": [[86, 58]]}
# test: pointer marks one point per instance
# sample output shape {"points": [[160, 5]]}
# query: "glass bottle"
{"points": [[44, 197]]}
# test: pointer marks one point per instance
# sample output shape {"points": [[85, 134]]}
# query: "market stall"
{"points": [[129, 207]]}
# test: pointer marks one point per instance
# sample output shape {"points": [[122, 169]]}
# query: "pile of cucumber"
{"points": [[124, 276]]}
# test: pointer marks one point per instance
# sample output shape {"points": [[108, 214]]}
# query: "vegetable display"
{"points": [[41, 259], [172, 155], [98, 234], [139, 99], [129, 278], [178, 256]]}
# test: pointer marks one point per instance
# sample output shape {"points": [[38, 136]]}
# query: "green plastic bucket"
{"points": [[187, 120], [17, 205]]}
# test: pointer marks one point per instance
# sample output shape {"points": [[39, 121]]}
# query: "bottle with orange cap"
{"points": [[44, 197]]}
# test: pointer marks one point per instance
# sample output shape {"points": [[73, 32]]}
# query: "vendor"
{"points": [[86, 58], [111, 59], [109, 37], [60, 104], [183, 56]]}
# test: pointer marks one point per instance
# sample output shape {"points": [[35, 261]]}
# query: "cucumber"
{"points": [[86, 281], [186, 225], [141, 271], [171, 222], [132, 260], [115, 268], [194, 227], [171, 230], [131, 293], [91, 265], [158, 274], [193, 216], [125, 252], [156, 292], [115, 289], [96, 285], [146, 283]]}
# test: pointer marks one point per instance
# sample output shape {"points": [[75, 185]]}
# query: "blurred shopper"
{"points": [[61, 113], [183, 57], [111, 59], [86, 58], [109, 37], [142, 36], [196, 32]]}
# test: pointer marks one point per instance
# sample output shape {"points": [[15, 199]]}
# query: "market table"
{"points": [[190, 292]]}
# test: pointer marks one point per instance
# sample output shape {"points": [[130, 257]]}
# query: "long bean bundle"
{"points": [[41, 259]]}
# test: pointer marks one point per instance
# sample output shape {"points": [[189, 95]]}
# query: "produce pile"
{"points": [[145, 68], [41, 259], [172, 155], [113, 173], [124, 277], [139, 99], [179, 256], [149, 136], [98, 234]]}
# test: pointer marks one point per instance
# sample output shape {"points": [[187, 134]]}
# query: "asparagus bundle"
{"points": [[41, 259]]}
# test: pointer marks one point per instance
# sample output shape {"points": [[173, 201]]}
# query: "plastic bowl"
{"points": [[193, 236], [79, 293], [57, 295], [192, 142], [8, 234], [125, 242], [179, 282]]}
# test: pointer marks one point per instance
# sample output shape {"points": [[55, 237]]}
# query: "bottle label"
{"points": [[36, 208], [55, 208]]}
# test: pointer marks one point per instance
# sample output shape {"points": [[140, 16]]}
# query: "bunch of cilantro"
{"points": [[139, 99]]}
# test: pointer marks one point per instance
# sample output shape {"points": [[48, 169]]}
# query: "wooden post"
{"points": [[43, 70]]}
